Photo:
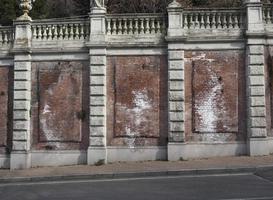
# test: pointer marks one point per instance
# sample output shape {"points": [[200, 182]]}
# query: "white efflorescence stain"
{"points": [[142, 104]]}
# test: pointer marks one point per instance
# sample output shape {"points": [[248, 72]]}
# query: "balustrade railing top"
{"points": [[60, 29], [136, 24], [213, 18], [6, 35]]}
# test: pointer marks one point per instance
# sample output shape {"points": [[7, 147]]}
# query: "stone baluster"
{"points": [[44, 32], [218, 21], [224, 17], [61, 33], [125, 26], [81, 36], [229, 20], [34, 32], [120, 31], [157, 26], [5, 38], [49, 32], [1, 37], [152, 28], [77, 34], [236, 21], [191, 22], [202, 22], [185, 21], [71, 31], [130, 28], [114, 32], [163, 29], [141, 27], [214, 18], [267, 15], [66, 32], [39, 30], [54, 32], [146, 26], [108, 29]]}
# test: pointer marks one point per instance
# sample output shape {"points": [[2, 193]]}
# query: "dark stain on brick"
{"points": [[137, 100], [215, 100], [60, 105], [269, 89]]}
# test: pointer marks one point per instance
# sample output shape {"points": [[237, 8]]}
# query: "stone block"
{"points": [[22, 95], [176, 64], [98, 80], [97, 121], [97, 111], [95, 155], [98, 60], [176, 96], [176, 75], [176, 106], [22, 85], [176, 116], [21, 125], [19, 145], [22, 66], [176, 55], [176, 127], [257, 91], [97, 141], [257, 111], [21, 105], [256, 49], [21, 115], [257, 101], [256, 80], [97, 131], [20, 135], [256, 59], [256, 70], [258, 122], [22, 76], [97, 70], [97, 100], [258, 132], [176, 85], [97, 90]]}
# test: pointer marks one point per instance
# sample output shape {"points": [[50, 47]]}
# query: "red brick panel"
{"points": [[213, 93], [4, 86], [269, 88], [137, 98], [60, 104]]}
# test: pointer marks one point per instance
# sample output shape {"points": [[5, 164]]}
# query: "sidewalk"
{"points": [[221, 165]]}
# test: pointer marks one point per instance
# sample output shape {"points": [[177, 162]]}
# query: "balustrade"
{"points": [[135, 24], [65, 30], [6, 35], [268, 13], [213, 19]]}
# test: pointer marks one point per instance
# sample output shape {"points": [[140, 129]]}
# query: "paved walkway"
{"points": [[212, 165]]}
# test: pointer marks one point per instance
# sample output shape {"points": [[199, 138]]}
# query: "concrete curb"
{"points": [[120, 175]]}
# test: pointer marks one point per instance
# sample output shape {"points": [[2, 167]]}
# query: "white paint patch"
{"points": [[46, 109]]}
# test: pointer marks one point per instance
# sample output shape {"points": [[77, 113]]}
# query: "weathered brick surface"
{"points": [[214, 96], [4, 98], [137, 100], [60, 105]]}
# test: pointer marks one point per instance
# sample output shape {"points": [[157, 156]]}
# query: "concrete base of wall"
{"points": [[182, 151], [270, 144], [4, 161], [115, 154], [20, 160], [96, 155], [258, 146], [58, 158]]}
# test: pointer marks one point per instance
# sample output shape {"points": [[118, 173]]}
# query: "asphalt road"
{"points": [[243, 186]]}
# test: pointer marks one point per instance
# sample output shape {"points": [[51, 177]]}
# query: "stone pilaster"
{"points": [[255, 69], [97, 145], [176, 95], [20, 156]]}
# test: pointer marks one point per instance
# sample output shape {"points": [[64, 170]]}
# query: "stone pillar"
{"points": [[20, 156], [175, 80], [255, 73], [97, 51]]}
